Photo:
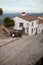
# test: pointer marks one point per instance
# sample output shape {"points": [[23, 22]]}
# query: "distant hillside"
{"points": [[35, 14], [17, 14], [11, 15]]}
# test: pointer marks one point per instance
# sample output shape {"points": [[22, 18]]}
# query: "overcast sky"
{"points": [[31, 6]]}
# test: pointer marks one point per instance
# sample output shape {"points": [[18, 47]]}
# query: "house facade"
{"points": [[30, 23], [40, 25]]}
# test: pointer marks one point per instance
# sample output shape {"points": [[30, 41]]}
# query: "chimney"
{"points": [[23, 13]]}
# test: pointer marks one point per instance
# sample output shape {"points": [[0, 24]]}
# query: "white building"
{"points": [[40, 24], [30, 23]]}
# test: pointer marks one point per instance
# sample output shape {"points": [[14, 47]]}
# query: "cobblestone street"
{"points": [[24, 51]]}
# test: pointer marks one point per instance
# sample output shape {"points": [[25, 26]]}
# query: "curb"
{"points": [[8, 42]]}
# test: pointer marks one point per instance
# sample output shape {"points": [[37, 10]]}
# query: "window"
{"points": [[21, 24], [32, 23], [27, 24], [32, 30]]}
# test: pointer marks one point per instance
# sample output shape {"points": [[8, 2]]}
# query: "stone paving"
{"points": [[24, 51], [5, 41]]}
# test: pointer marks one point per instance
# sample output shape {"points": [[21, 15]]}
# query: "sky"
{"points": [[30, 6]]}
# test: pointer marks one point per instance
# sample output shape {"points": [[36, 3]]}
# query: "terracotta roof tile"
{"points": [[40, 21], [28, 18]]}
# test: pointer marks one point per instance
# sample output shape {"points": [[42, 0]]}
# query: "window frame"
{"points": [[32, 30], [20, 24]]}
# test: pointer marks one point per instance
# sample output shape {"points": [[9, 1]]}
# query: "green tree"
{"points": [[8, 22], [1, 11]]}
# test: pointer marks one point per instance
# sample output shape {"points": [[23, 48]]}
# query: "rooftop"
{"points": [[28, 18], [40, 20]]}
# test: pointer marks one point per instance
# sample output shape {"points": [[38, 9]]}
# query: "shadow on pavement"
{"points": [[40, 61]]}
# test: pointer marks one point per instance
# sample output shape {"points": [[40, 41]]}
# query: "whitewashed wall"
{"points": [[35, 25], [40, 28], [20, 20]]}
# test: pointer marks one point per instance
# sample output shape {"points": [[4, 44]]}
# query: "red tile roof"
{"points": [[40, 21], [28, 18], [40, 17]]}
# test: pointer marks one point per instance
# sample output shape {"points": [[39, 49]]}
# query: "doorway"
{"points": [[36, 31]]}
